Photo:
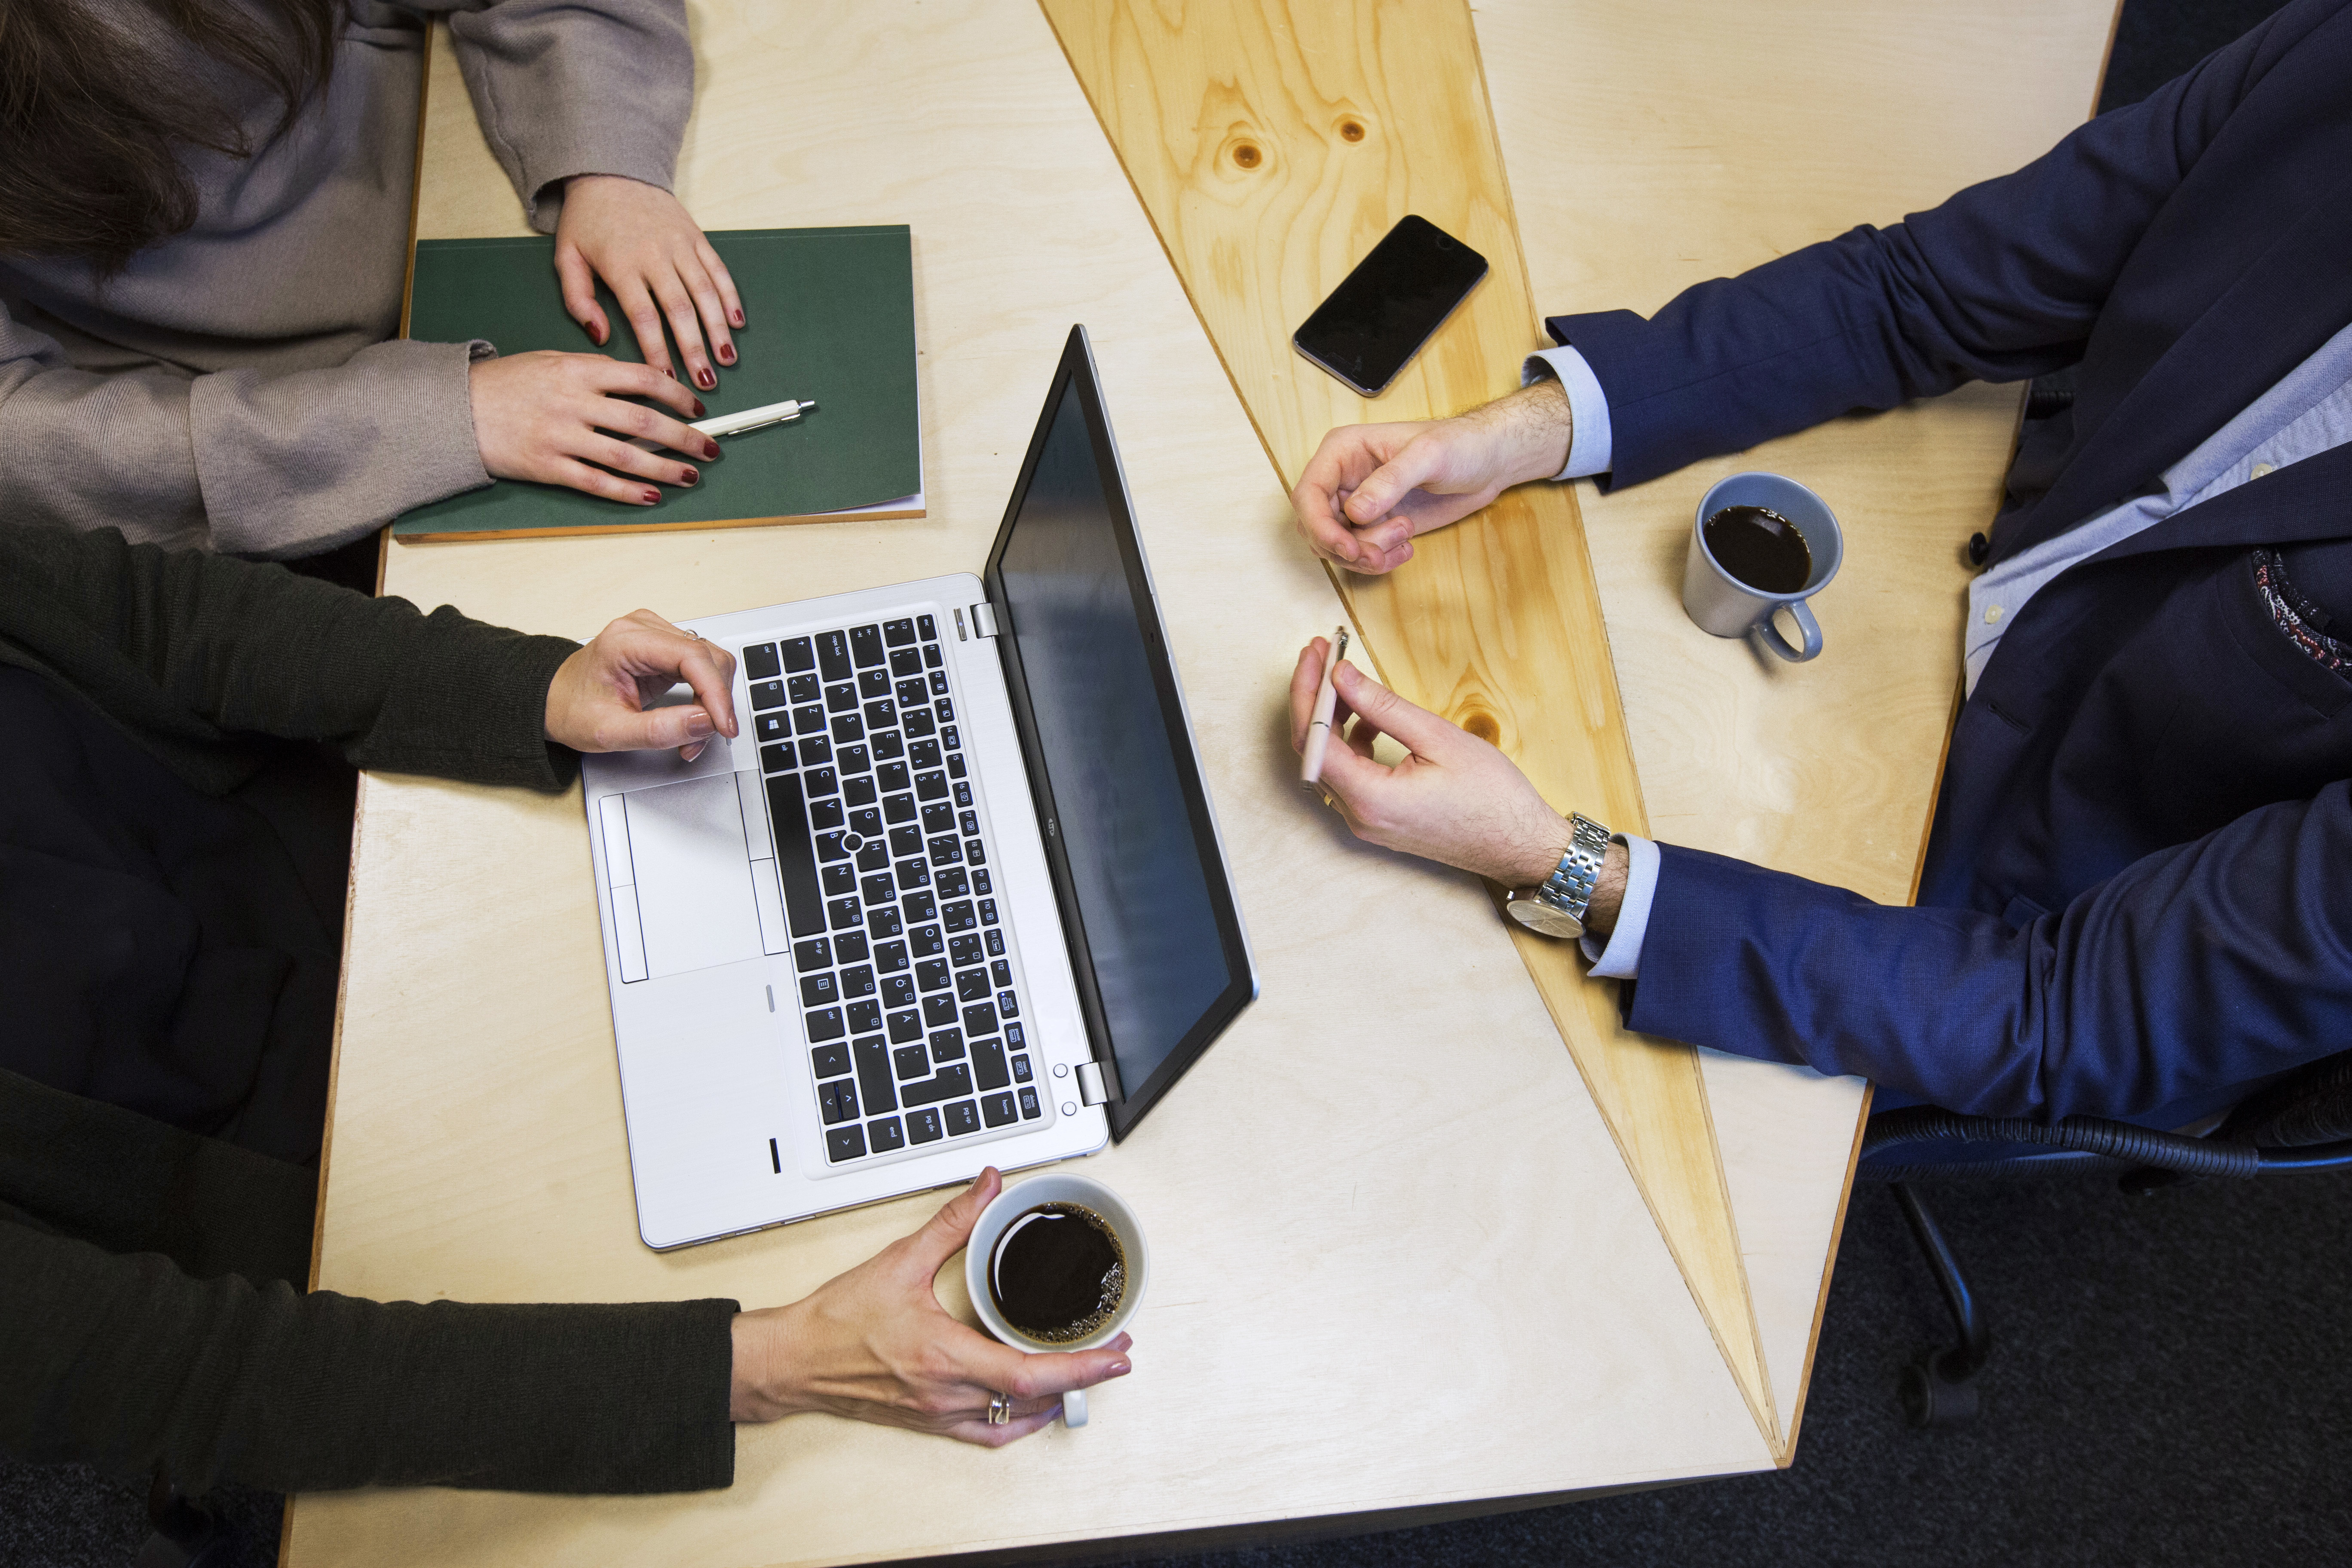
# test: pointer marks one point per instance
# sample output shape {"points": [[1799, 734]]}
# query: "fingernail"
{"points": [[690, 475], [699, 410], [737, 318], [652, 495], [698, 724], [669, 372], [726, 353], [710, 451], [1121, 1368], [687, 753]]}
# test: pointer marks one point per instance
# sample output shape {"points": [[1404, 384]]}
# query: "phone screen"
{"points": [[1382, 312]]}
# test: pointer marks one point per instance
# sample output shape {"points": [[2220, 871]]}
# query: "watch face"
{"points": [[1540, 917]]}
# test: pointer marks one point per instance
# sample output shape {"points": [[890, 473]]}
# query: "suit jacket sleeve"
{"points": [[125, 1361], [2002, 282], [2197, 968], [576, 87], [186, 649]]}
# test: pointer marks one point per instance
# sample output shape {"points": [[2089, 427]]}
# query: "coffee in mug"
{"points": [[1057, 1274], [1761, 548]]}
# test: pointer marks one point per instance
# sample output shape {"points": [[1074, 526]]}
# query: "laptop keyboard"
{"points": [[904, 975]]}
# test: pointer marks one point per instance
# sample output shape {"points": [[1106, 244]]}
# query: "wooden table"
{"points": [[1399, 1268]]}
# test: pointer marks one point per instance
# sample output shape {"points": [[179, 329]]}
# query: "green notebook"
{"points": [[831, 320]]}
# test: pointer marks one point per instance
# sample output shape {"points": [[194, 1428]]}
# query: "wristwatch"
{"points": [[1557, 908]]}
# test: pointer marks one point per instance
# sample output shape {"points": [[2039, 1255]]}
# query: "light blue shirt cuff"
{"points": [[1588, 409], [1621, 959]]}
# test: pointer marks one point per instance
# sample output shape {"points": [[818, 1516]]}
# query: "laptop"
{"points": [[954, 897]]}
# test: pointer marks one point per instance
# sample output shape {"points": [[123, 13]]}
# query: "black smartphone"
{"points": [[1382, 312]]}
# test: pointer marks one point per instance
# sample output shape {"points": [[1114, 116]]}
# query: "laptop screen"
{"points": [[1154, 933]]}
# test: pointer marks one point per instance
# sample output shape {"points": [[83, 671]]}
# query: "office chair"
{"points": [[2300, 1123]]}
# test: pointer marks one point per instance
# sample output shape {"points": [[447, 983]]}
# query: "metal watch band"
{"points": [[1569, 886]]}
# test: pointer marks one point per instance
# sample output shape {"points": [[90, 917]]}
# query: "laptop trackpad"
{"points": [[693, 874]]}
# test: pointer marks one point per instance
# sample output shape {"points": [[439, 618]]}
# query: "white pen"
{"points": [[1318, 728], [753, 418]]}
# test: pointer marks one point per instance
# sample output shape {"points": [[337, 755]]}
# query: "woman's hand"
{"points": [[1370, 488], [597, 700], [638, 238], [875, 1344], [549, 416]]}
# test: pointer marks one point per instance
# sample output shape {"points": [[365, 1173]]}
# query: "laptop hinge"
{"points": [[984, 620], [1090, 1084]]}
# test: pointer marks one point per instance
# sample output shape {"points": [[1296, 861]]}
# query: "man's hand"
{"points": [[546, 415], [1370, 488], [640, 241], [1454, 798], [597, 700], [875, 1344]]}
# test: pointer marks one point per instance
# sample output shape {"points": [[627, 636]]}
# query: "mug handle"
{"points": [[1805, 622], [1074, 1407]]}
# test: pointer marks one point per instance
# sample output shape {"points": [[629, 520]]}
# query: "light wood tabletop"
{"points": [[1398, 1263]]}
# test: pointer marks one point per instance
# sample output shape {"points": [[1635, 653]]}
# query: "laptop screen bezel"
{"points": [[1075, 377]]}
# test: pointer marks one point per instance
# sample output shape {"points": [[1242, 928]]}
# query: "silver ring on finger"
{"points": [[999, 1409]]}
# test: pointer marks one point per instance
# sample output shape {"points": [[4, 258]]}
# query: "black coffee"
{"points": [[1058, 1273], [1761, 548]]}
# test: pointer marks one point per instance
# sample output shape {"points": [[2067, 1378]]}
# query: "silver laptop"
{"points": [[954, 897]]}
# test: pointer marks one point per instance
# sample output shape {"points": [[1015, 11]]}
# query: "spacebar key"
{"points": [[795, 861]]}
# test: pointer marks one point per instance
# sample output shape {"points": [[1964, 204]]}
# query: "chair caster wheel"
{"points": [[1933, 1402]]}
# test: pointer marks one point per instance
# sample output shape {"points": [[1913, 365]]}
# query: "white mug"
{"points": [[1055, 1187], [1725, 607]]}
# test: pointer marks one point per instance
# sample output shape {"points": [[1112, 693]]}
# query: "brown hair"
{"points": [[92, 124]]}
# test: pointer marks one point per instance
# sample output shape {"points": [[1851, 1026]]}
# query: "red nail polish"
{"points": [[726, 354], [652, 495], [708, 380], [669, 372], [709, 450], [737, 318], [699, 410], [691, 477]]}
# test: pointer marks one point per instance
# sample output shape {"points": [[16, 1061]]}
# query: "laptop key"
{"points": [[931, 974], [890, 956], [799, 654], [866, 820], [939, 684], [939, 1011], [844, 1144], [913, 874], [836, 1102], [911, 1061], [947, 1046], [865, 644], [853, 760], [877, 889], [874, 855], [840, 881], [845, 913], [931, 786], [849, 947], [874, 1081], [938, 817], [848, 727], [1021, 1069], [948, 737], [865, 1017], [883, 922], [830, 1061], [951, 1082], [804, 688], [815, 751], [1001, 972], [817, 990], [955, 771], [963, 950], [904, 1026], [961, 1118], [988, 911], [917, 906], [907, 661], [911, 693], [947, 850], [825, 814], [926, 942], [857, 979], [796, 867], [872, 683], [832, 656], [900, 808], [1029, 1112], [917, 721], [980, 1019], [760, 661], [945, 708], [924, 753], [957, 916], [996, 1110], [829, 846], [924, 627], [808, 720], [923, 1126], [767, 694], [898, 633], [931, 654], [816, 953], [891, 776], [949, 883], [1008, 1005], [971, 985], [819, 781], [962, 794], [884, 742], [824, 1024], [773, 726], [881, 715], [841, 698], [885, 1135], [996, 938], [897, 991], [975, 851], [988, 1064], [1016, 1037], [777, 758]]}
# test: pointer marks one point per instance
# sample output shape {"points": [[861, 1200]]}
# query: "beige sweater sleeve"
{"points": [[576, 87]]}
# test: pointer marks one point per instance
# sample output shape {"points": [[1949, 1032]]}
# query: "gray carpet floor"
{"points": [[2169, 1382]]}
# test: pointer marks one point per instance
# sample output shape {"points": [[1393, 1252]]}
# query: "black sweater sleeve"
{"points": [[186, 650], [125, 1361]]}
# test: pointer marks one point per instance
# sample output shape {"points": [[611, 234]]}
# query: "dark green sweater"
{"points": [[150, 1302]]}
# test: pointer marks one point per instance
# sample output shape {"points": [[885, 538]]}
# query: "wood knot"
{"points": [[1483, 724], [1247, 154], [1351, 129]]}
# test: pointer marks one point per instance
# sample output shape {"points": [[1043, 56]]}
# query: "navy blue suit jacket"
{"points": [[2138, 885]]}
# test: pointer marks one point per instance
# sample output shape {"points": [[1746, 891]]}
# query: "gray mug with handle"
{"points": [[1724, 604]]}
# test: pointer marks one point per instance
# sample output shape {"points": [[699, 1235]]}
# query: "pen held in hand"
{"points": [[1318, 728]]}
